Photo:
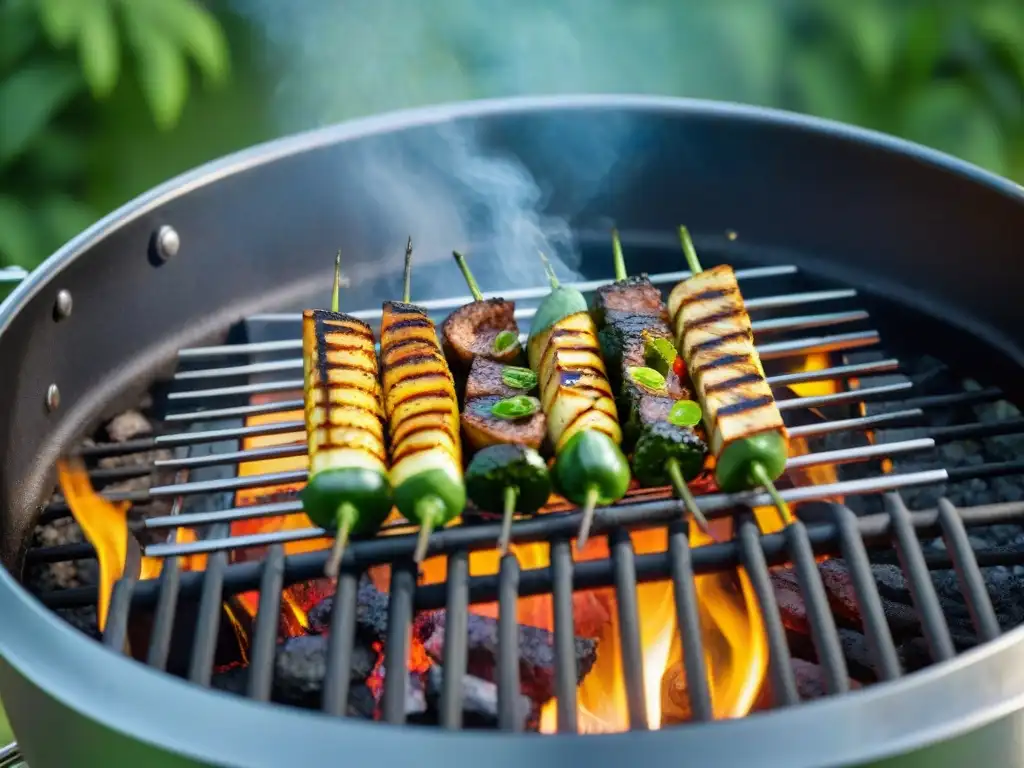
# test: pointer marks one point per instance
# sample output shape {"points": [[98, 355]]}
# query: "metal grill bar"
{"points": [[772, 351], [264, 640], [624, 566], [390, 548], [972, 584], [800, 377], [684, 592], [271, 479], [163, 619], [565, 630], [456, 647], [922, 590], [204, 644], [822, 623], [779, 661], [876, 627], [769, 325], [826, 539], [396, 644], [340, 645], [508, 643], [539, 292]]}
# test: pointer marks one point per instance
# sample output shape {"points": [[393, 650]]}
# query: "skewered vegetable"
{"points": [[483, 328], [348, 488], [713, 333], [668, 443], [506, 424], [423, 416], [563, 349], [510, 477]]}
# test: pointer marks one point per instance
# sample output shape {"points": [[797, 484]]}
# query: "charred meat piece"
{"points": [[481, 427], [634, 295], [488, 378], [473, 331]]}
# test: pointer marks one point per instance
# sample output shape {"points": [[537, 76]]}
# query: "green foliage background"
{"points": [[102, 99]]}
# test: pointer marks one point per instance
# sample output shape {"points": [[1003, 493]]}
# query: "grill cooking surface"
{"points": [[857, 511]]}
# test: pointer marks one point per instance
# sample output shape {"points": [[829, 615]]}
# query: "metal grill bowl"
{"points": [[894, 220]]}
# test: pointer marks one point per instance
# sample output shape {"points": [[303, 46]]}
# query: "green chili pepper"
{"points": [[509, 477], [659, 354], [591, 470], [518, 407], [519, 378], [648, 377], [559, 304]]}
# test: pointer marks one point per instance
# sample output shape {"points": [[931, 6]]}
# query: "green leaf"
{"points": [[18, 32], [61, 218], [950, 117], [191, 27], [822, 84], [1002, 25], [875, 34], [60, 18], [163, 76], [58, 158], [29, 99], [98, 48], [19, 239], [518, 378]]}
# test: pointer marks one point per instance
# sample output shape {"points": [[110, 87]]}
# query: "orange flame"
{"points": [[105, 525]]}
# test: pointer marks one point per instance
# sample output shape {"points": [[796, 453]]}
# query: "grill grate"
{"points": [[841, 533]]}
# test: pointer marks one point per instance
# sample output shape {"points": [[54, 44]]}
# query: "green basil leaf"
{"points": [[518, 407], [518, 378], [685, 413], [647, 377], [505, 340]]}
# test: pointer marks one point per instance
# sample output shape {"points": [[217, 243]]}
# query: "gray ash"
{"points": [[132, 424]]}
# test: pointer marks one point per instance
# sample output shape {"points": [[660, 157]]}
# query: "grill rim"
{"points": [[46, 659]]}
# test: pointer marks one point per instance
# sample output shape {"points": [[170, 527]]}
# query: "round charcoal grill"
{"points": [[881, 273]]}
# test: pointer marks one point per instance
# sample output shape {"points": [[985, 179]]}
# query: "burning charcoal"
{"points": [[479, 700], [128, 425], [536, 654], [301, 664], [416, 708], [371, 613], [234, 680], [791, 603], [859, 661], [810, 680], [892, 588]]}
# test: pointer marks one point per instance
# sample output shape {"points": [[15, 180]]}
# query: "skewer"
{"points": [[672, 467], [758, 469]]}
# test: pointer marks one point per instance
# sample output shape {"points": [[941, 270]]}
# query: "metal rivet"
{"points": [[62, 307], [732, 234], [167, 242], [52, 398]]}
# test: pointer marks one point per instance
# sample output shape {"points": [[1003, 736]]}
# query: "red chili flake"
{"points": [[679, 367]]}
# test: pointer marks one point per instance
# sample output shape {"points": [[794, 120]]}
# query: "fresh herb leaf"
{"points": [[685, 413], [518, 407], [505, 340], [648, 377], [519, 378]]}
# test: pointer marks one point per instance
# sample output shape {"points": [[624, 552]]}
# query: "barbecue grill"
{"points": [[860, 256]]}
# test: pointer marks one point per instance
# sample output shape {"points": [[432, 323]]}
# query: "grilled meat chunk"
{"points": [[471, 331], [486, 378], [634, 295], [715, 338], [481, 428]]}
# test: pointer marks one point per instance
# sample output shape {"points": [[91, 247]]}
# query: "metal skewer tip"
{"points": [[686, 496], [336, 292], [407, 277], [550, 271], [689, 251], [511, 496], [589, 509], [468, 276]]}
